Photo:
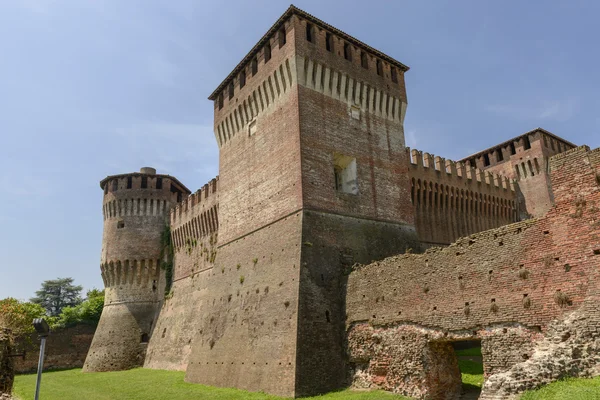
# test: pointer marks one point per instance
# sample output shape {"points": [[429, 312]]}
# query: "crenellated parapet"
{"points": [[454, 199], [196, 216], [260, 98], [359, 93], [194, 230]]}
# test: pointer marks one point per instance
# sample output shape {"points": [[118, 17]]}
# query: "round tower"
{"points": [[136, 210]]}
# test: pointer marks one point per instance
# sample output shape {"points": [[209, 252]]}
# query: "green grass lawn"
{"points": [[146, 384], [472, 372], [571, 389]]}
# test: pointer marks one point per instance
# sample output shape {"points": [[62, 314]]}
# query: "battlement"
{"points": [[203, 196], [197, 216], [426, 162], [347, 45], [359, 93], [260, 97], [453, 199], [145, 179]]}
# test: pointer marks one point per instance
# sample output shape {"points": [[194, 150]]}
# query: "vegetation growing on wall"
{"points": [[166, 255]]}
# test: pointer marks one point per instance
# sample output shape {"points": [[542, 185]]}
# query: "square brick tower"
{"points": [[525, 158], [313, 178]]}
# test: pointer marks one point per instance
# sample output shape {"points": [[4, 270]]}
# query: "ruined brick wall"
{"points": [[453, 200], [65, 348], [7, 372], [525, 159], [136, 211], [194, 234], [503, 286]]}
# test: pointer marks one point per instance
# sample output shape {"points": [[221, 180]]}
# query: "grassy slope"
{"points": [[145, 384], [571, 389]]}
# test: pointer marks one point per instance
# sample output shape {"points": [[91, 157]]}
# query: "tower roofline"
{"points": [[293, 10], [181, 186], [508, 142]]}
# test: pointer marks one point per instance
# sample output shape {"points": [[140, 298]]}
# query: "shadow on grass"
{"points": [[47, 370]]}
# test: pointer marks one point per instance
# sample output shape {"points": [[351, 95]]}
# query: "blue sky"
{"points": [[93, 88]]}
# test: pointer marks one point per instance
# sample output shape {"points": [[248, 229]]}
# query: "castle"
{"points": [[269, 286]]}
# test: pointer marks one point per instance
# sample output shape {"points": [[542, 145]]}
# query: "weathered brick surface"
{"points": [[65, 348], [529, 166], [261, 299], [194, 234], [136, 212], [453, 200], [521, 276]]}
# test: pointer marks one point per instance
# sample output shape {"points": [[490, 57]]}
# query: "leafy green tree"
{"points": [[18, 316], [57, 294], [87, 312]]}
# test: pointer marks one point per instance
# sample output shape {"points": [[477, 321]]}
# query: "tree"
{"points": [[87, 312], [57, 294], [18, 316]]}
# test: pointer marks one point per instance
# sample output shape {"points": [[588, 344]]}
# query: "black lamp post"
{"points": [[42, 328]]}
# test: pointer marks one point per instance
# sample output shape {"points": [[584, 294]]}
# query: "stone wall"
{"points": [[453, 200], [7, 372], [525, 159], [194, 231], [136, 213], [65, 348], [504, 286]]}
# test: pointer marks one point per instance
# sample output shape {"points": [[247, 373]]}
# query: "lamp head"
{"points": [[41, 327]]}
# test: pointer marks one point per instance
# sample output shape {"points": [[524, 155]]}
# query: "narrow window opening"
{"points": [[327, 316], [242, 79], [120, 224], [347, 52], [115, 185], [530, 167], [282, 39], [154, 286], [267, 52], [144, 182], [254, 66], [499, 155], [159, 183], [363, 60], [526, 143], [486, 160], [129, 182], [144, 338], [329, 42], [309, 32], [394, 75], [220, 101], [552, 144], [106, 188], [345, 174], [379, 68], [231, 90]]}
